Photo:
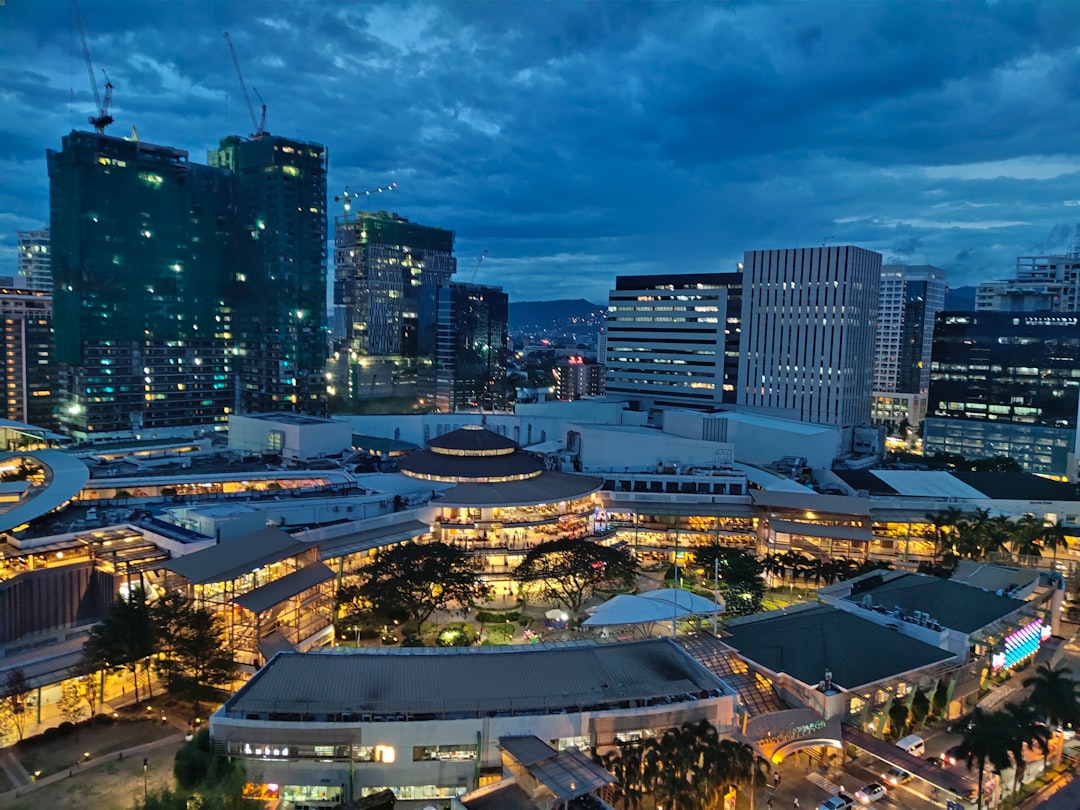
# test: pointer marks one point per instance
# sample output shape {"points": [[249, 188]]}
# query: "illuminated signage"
{"points": [[1019, 646]]}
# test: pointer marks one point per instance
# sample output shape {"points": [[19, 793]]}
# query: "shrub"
{"points": [[66, 728], [490, 617], [104, 719], [412, 641]]}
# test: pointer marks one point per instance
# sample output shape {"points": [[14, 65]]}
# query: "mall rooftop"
{"points": [[806, 642], [425, 683]]}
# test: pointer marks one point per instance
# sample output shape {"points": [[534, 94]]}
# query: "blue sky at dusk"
{"points": [[577, 141]]}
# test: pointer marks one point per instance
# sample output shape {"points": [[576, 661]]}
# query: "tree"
{"points": [[920, 709], [1027, 732], [741, 574], [18, 698], [123, 639], [420, 579], [71, 703], [898, 718], [1054, 696], [568, 570], [988, 740], [88, 687], [744, 766], [195, 655]]}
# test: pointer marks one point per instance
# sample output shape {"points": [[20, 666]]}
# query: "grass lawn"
{"points": [[112, 786], [57, 753]]}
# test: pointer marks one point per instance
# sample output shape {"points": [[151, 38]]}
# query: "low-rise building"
{"points": [[333, 726]]}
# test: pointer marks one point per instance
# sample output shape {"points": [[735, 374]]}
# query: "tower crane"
{"points": [[480, 261], [347, 196], [258, 124], [102, 119]]}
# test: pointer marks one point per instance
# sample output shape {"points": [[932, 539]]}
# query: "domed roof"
{"points": [[472, 453], [474, 440]]}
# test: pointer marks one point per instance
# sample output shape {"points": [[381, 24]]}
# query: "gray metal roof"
{"points": [[368, 539], [570, 774], [64, 479], [528, 749], [231, 558], [547, 487], [861, 533], [953, 604], [272, 593], [811, 502], [470, 681], [806, 643]]}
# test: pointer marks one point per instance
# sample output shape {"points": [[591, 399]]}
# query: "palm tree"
{"points": [[944, 529], [1027, 732], [745, 767], [1054, 696], [971, 534], [998, 533], [988, 740], [1054, 535], [1027, 539]]}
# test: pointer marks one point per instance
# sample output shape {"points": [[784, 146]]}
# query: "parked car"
{"points": [[841, 801], [895, 776], [868, 794], [938, 761]]}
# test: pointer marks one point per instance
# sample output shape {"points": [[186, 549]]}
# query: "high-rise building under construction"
{"points": [[387, 272], [278, 279], [141, 266], [186, 291]]}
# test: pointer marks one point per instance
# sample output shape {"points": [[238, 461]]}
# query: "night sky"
{"points": [[577, 141]]}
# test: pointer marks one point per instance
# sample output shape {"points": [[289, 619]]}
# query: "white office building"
{"points": [[1041, 284], [910, 297], [807, 349], [673, 341], [35, 261]]}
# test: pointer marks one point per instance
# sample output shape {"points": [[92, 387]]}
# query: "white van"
{"points": [[913, 744]]}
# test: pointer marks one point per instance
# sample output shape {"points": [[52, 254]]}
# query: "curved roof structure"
{"points": [[472, 453], [491, 470], [65, 477], [548, 487]]}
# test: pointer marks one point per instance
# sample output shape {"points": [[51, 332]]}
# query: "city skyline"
{"points": [[578, 142]]}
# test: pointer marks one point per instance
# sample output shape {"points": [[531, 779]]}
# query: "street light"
{"points": [[145, 789]]}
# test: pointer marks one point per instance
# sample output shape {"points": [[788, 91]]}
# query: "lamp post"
{"points": [[145, 788]]}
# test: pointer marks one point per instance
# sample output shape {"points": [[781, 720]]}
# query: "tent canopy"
{"points": [[661, 605], [684, 599]]}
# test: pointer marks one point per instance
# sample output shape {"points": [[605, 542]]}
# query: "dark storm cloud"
{"points": [[577, 141]]}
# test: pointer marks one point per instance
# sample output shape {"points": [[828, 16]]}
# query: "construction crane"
{"points": [[258, 124], [102, 119], [480, 261], [347, 196]]}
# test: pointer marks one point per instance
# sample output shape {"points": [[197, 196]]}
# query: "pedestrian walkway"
{"points": [[134, 751], [14, 769]]}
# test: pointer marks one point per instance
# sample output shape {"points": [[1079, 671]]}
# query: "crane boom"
{"points": [[259, 130], [480, 261], [102, 119], [347, 196]]}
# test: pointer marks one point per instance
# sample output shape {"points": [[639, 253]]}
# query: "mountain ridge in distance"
{"points": [[532, 313]]}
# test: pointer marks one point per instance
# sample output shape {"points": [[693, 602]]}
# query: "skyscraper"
{"points": [[27, 372], [387, 272], [673, 341], [910, 297], [278, 281], [35, 265], [807, 350], [471, 347], [141, 260], [1006, 384]]}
